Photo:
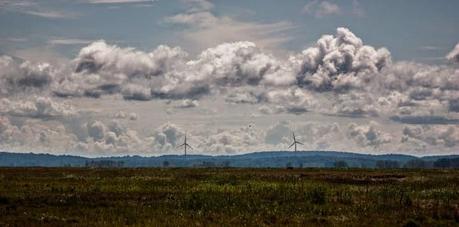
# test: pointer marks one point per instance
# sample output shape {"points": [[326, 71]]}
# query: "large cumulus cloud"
{"points": [[361, 78], [34, 136], [341, 62], [337, 76], [36, 107], [17, 76], [418, 89], [111, 138], [333, 63], [368, 135], [453, 56], [106, 69], [422, 137]]}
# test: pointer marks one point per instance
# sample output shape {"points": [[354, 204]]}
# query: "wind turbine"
{"points": [[185, 145], [295, 142]]}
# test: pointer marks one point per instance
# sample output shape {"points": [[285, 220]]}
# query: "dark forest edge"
{"points": [[280, 159]]}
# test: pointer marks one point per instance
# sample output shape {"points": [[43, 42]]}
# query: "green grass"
{"points": [[228, 197]]}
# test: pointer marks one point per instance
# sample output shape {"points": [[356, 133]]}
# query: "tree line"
{"points": [[413, 163]]}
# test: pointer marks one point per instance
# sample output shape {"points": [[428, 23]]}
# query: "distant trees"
{"points": [[208, 164], [166, 164], [104, 164], [419, 163], [226, 164], [387, 164], [416, 164], [341, 164], [446, 163]]}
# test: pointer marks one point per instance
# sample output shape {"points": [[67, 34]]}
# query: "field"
{"points": [[228, 197]]}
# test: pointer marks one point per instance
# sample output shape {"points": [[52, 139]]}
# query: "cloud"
{"points": [[368, 135], [357, 9], [187, 103], [231, 141], [240, 69], [423, 136], [321, 8], [51, 14], [453, 56], [358, 76], [217, 141], [35, 8], [420, 88], [37, 107], [291, 100], [453, 105], [205, 29], [314, 136], [425, 120], [34, 135], [123, 115], [104, 69], [25, 76], [278, 133], [339, 75], [66, 41], [136, 92], [356, 104], [167, 137], [341, 62], [109, 139], [168, 73], [243, 96], [119, 1]]}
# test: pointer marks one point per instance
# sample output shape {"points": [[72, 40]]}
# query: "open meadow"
{"points": [[228, 197]]}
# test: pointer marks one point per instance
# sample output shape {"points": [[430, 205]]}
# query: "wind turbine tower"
{"points": [[295, 142], [185, 145]]}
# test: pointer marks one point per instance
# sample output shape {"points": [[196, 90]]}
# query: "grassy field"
{"points": [[228, 197]]}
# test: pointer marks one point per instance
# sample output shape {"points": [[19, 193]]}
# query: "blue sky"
{"points": [[117, 77], [413, 29]]}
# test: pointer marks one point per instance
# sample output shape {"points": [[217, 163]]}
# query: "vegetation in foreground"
{"points": [[228, 197]]}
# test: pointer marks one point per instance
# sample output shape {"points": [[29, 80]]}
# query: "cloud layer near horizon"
{"points": [[337, 76]]}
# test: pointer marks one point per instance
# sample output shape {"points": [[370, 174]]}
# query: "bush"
{"points": [[341, 164], [411, 223], [4, 200], [317, 195]]}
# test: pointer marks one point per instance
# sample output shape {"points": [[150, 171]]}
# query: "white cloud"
{"points": [[187, 103], [339, 76], [119, 1], [321, 8], [51, 14], [341, 62], [356, 79], [357, 9], [368, 135], [38, 136], [453, 56], [36, 9], [25, 76], [37, 107], [67, 41], [422, 137], [205, 29]]}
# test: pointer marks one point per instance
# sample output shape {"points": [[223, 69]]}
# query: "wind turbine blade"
{"points": [[190, 147], [292, 145], [300, 143], [180, 145]]}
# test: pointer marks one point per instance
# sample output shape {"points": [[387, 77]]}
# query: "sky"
{"points": [[133, 77]]}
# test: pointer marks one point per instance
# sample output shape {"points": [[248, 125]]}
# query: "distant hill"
{"points": [[277, 159]]}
